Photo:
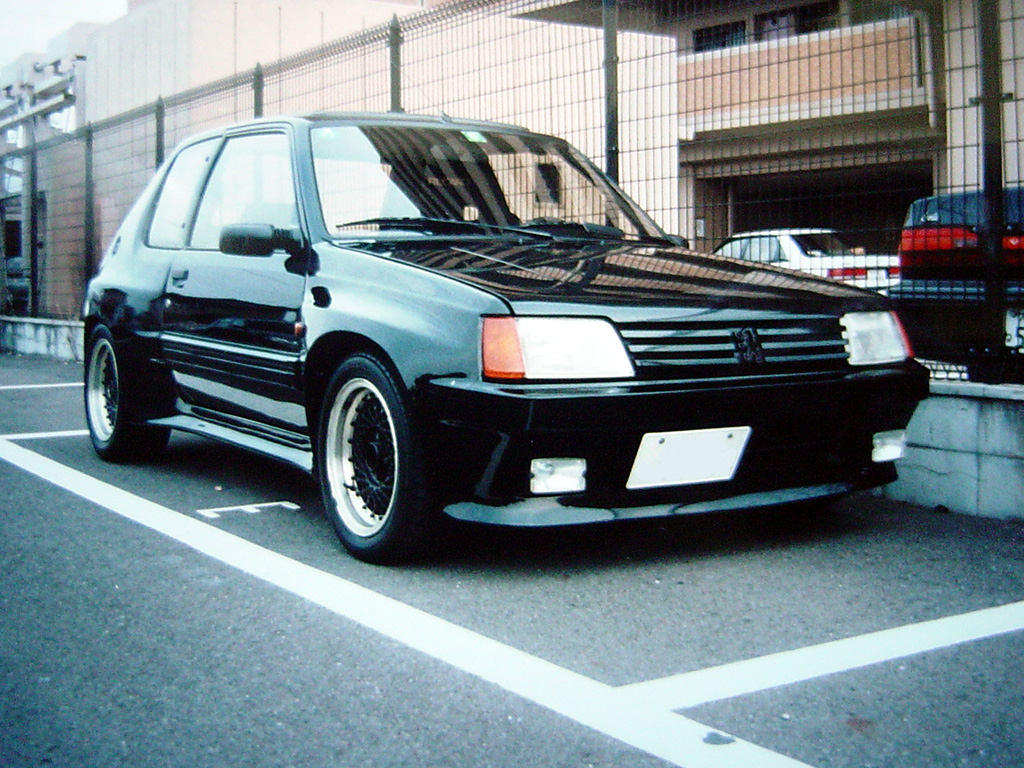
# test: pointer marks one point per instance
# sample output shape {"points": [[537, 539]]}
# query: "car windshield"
{"points": [[449, 181], [822, 244]]}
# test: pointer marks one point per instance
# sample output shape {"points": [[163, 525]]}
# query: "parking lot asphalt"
{"points": [[197, 610]]}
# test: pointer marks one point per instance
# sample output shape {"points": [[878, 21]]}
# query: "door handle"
{"points": [[179, 276]]}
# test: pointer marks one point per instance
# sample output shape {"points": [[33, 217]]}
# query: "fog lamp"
{"points": [[889, 446], [558, 475]]}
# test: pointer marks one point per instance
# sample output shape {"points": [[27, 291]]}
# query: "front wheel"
{"points": [[368, 465], [108, 401]]}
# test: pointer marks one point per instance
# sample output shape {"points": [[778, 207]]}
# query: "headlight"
{"points": [[553, 348], [874, 338]]}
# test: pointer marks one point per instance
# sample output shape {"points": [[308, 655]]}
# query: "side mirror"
{"points": [[247, 239], [258, 240]]}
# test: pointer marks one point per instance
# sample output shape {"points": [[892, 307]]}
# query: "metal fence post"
{"points": [[160, 116], [257, 91], [610, 19], [30, 210], [89, 223], [990, 366], [395, 53]]}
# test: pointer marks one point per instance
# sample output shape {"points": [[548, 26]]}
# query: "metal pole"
{"points": [[992, 220], [395, 51], [257, 91], [610, 18], [159, 115], [89, 224], [30, 233]]}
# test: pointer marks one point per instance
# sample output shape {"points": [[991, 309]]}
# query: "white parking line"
{"points": [[742, 677], [6, 387], [250, 509], [639, 714], [46, 435], [672, 737]]}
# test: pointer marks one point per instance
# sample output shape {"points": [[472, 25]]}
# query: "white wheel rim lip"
{"points": [[349, 505], [97, 396]]}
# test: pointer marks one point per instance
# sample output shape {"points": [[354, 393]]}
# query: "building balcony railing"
{"points": [[854, 70]]}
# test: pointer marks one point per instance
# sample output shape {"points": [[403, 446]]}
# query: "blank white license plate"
{"points": [[685, 458]]}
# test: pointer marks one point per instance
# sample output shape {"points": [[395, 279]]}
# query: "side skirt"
{"points": [[300, 455]]}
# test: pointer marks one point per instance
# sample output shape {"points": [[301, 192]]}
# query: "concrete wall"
{"points": [[62, 339]]}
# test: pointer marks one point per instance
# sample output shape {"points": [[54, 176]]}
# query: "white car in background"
{"points": [[818, 252]]}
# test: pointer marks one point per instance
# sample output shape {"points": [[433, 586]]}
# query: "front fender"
{"points": [[426, 324]]}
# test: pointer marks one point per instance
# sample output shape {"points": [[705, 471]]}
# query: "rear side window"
{"points": [[169, 227], [765, 250], [251, 183], [732, 249]]}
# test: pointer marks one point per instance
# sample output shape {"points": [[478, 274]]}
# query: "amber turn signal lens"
{"points": [[502, 353]]}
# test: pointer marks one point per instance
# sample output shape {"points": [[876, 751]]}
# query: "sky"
{"points": [[29, 25]]}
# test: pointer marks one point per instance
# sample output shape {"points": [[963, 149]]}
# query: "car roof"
{"points": [[363, 118]]}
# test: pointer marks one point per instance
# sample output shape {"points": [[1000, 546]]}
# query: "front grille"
{"points": [[731, 344]]}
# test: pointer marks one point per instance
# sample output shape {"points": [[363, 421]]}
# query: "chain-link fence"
{"points": [[868, 142]]}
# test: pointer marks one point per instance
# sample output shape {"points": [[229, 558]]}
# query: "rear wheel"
{"points": [[368, 465], [108, 403]]}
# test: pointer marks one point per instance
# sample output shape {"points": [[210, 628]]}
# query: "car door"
{"points": [[232, 328]]}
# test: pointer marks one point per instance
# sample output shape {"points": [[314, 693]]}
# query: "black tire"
{"points": [[108, 406], [369, 466]]}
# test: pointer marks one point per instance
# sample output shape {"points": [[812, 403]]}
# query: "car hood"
{"points": [[622, 272]]}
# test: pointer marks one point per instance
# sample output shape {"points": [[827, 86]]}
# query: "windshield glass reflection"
{"points": [[451, 182]]}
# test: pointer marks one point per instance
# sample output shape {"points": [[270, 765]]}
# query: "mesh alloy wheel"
{"points": [[102, 390], [362, 460]]}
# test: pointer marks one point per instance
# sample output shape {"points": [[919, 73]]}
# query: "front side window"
{"points": [[823, 244], [169, 227], [251, 183]]}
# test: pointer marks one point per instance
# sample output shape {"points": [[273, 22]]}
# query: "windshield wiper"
{"points": [[575, 228], [568, 230], [440, 226]]}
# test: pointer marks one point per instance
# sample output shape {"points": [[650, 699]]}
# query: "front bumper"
{"points": [[809, 439], [539, 512]]}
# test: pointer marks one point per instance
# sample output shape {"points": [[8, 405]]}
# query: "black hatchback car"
{"points": [[463, 318]]}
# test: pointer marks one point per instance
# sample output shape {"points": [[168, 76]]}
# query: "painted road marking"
{"points": [[662, 733], [742, 677], [6, 387], [46, 435], [639, 714], [250, 509]]}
